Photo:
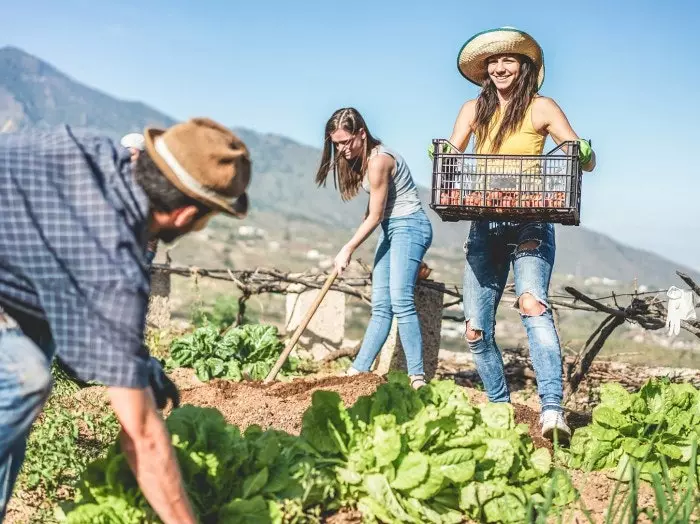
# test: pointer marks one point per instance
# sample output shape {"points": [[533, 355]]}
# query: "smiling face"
{"points": [[503, 70], [349, 145]]}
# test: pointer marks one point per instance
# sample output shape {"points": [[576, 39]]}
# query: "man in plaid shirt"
{"points": [[77, 213]]}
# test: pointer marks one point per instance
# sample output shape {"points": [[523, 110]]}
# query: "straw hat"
{"points": [[471, 60], [204, 160]]}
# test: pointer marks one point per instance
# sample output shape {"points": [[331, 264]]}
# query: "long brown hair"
{"points": [[347, 175], [524, 90]]}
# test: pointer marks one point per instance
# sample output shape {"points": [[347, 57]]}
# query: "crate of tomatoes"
{"points": [[513, 188]]}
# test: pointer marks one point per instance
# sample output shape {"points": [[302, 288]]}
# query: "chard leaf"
{"points": [[412, 470], [498, 415], [253, 511], [615, 396], [541, 461], [432, 484], [609, 417], [458, 465], [255, 483], [378, 488]]}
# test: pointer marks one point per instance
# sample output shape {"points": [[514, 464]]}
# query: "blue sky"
{"points": [[625, 74]]}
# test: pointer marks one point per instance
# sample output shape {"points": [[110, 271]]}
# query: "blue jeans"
{"points": [[491, 249], [402, 244], [25, 384]]}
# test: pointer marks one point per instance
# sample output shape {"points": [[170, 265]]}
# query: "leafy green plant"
{"points": [[247, 351], [222, 314], [430, 456], [655, 426], [398, 455], [674, 503], [229, 476], [61, 445]]}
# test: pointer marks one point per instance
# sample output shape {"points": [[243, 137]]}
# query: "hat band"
{"points": [[188, 180]]}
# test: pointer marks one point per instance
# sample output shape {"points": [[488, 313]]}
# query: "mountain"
{"points": [[35, 94]]}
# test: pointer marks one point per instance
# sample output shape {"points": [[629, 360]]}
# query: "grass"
{"points": [[61, 444]]}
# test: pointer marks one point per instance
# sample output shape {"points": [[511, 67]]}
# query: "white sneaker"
{"points": [[351, 371], [552, 422], [417, 381]]}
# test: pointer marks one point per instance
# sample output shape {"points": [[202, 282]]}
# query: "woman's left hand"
{"points": [[342, 259]]}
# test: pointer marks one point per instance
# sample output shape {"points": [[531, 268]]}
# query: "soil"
{"points": [[280, 405]]}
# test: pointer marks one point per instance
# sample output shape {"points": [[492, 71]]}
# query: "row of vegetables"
{"points": [[398, 455]]}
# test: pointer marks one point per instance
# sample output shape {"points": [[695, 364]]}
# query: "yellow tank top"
{"points": [[525, 141]]}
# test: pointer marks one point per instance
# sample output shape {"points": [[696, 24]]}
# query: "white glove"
{"points": [[680, 307]]}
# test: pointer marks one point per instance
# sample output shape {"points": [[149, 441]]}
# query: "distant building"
{"points": [[251, 232]]}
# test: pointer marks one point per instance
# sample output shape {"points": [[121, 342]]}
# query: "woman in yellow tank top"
{"points": [[509, 117]]}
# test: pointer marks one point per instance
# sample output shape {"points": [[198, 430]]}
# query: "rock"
{"points": [[328, 323], [429, 307], [319, 350]]}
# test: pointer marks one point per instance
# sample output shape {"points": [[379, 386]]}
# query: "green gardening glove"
{"points": [[431, 150], [585, 153]]}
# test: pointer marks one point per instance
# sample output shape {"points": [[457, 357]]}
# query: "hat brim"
{"points": [[471, 59], [238, 208]]}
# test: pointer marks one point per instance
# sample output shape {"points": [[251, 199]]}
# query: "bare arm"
{"points": [[464, 125], [379, 173], [146, 443], [548, 117]]}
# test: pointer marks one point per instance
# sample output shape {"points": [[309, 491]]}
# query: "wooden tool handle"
{"points": [[302, 326]]}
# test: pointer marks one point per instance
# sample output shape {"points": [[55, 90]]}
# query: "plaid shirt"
{"points": [[73, 233]]}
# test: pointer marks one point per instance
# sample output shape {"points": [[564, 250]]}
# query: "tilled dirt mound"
{"points": [[281, 405]]}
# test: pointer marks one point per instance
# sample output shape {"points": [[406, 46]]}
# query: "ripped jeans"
{"points": [[490, 249]]}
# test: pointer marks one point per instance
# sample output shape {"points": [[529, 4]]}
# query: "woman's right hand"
{"points": [[342, 259]]}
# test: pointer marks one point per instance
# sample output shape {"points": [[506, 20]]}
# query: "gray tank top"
{"points": [[402, 198]]}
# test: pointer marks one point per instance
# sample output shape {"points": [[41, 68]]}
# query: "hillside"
{"points": [[285, 199]]}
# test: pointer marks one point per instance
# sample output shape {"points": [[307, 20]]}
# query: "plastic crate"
{"points": [[509, 188]]}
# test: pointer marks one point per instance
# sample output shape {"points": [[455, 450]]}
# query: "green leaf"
{"points": [[635, 447], [433, 483], [458, 465], [500, 455], [378, 488], [348, 476], [386, 440], [233, 371], [623, 472], [412, 470], [498, 415], [216, 367], [253, 511], [372, 509], [254, 484], [609, 417], [541, 461], [326, 424], [669, 450], [202, 370], [615, 396], [603, 433]]}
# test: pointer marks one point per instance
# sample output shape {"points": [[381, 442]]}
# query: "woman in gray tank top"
{"points": [[357, 159]]}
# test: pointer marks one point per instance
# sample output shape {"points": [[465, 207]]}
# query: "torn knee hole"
{"points": [[529, 245], [531, 306], [473, 335]]}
